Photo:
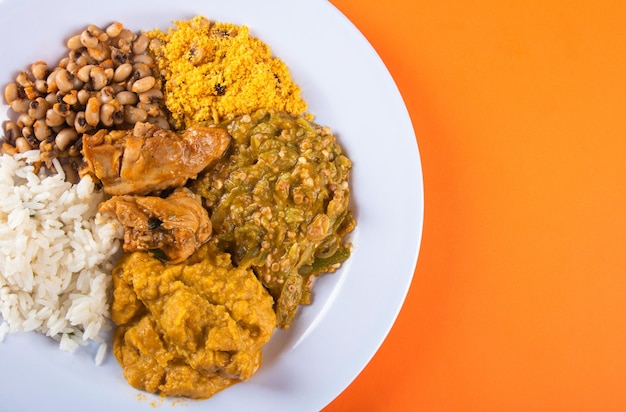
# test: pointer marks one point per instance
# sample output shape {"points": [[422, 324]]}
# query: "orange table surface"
{"points": [[518, 302]]}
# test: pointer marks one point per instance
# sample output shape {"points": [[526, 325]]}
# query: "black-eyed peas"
{"points": [[11, 93], [65, 138], [42, 130], [22, 145], [122, 72], [37, 108], [107, 79]]}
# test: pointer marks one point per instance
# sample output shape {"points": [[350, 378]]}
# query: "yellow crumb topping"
{"points": [[212, 70]]}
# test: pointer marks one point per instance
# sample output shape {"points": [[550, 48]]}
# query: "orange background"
{"points": [[519, 297]]}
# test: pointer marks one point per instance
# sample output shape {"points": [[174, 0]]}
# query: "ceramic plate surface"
{"points": [[349, 89]]}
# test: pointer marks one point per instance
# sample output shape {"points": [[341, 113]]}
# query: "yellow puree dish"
{"points": [[189, 329], [232, 201]]}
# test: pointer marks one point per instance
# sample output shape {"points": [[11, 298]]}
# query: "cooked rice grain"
{"points": [[55, 255]]}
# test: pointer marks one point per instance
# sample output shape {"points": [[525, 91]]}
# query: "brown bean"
{"points": [[41, 86], [71, 98], [141, 70], [11, 131], [159, 122], [65, 138], [119, 116], [53, 119], [114, 112], [28, 133], [70, 118], [81, 61], [64, 61], [74, 43], [114, 29], [72, 67], [99, 78], [64, 81], [144, 59], [99, 53], [122, 72], [109, 72], [74, 151], [197, 57], [39, 70], [127, 35], [52, 81], [107, 64], [51, 98], [78, 84], [80, 123], [92, 111], [25, 120], [126, 97], [155, 45], [31, 92], [124, 45], [22, 145], [102, 36], [38, 107], [74, 54], [23, 79], [140, 44], [106, 114], [88, 38], [153, 95], [118, 113], [20, 105], [57, 129], [118, 87], [87, 58], [144, 84], [71, 174], [62, 109], [134, 115], [107, 93], [11, 92], [41, 129], [83, 72], [83, 96], [45, 146], [118, 56]]}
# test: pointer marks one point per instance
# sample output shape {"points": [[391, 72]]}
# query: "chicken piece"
{"points": [[150, 159], [172, 228]]}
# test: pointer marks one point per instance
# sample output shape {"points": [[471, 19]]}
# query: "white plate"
{"points": [[349, 89]]}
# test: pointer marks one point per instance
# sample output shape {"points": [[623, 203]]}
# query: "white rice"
{"points": [[55, 255]]}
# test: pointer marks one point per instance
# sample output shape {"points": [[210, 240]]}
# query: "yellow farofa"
{"points": [[212, 70]]}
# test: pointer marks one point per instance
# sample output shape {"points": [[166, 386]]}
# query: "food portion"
{"points": [[149, 159], [172, 186], [106, 80], [191, 329], [213, 71], [279, 204], [56, 255], [171, 228]]}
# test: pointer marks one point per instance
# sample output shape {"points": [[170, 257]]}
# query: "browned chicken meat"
{"points": [[150, 159], [172, 228]]}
